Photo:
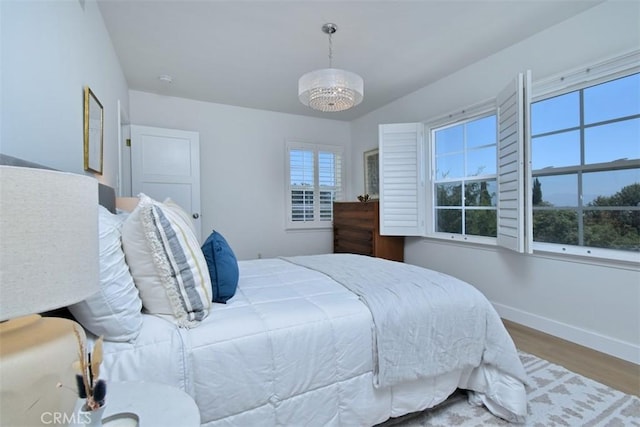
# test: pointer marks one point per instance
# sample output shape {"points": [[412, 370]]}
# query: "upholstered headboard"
{"points": [[107, 197], [106, 194]]}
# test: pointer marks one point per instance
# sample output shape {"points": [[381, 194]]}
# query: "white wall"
{"points": [[50, 50], [597, 305], [242, 169]]}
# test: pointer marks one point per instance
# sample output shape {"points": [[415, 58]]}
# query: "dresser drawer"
{"points": [[358, 211], [353, 247], [356, 230], [362, 235], [353, 222]]}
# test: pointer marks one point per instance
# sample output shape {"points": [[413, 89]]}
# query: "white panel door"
{"points": [[166, 163]]}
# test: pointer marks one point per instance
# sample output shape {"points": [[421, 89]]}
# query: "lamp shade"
{"points": [[330, 89], [48, 240]]}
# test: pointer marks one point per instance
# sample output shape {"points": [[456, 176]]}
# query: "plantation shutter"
{"points": [[314, 176], [513, 187], [302, 185], [402, 193], [329, 180]]}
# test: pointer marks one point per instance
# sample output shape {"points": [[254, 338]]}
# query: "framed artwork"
{"points": [[371, 176], [93, 132]]}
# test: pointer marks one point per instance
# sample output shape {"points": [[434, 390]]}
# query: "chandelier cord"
{"points": [[330, 50]]}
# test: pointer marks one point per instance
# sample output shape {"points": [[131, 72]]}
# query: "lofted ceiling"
{"points": [[251, 53]]}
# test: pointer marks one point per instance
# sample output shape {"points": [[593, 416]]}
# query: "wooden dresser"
{"points": [[356, 229]]}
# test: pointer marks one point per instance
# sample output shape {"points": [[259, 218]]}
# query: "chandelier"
{"points": [[330, 89]]}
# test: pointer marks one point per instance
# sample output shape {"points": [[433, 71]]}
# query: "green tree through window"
{"points": [[586, 166], [465, 185]]}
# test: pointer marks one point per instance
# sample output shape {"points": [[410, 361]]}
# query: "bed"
{"points": [[333, 339], [294, 347]]}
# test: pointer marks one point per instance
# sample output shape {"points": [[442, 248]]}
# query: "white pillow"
{"points": [[115, 311], [166, 263]]}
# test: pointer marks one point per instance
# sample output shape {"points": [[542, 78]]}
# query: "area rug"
{"points": [[557, 398]]}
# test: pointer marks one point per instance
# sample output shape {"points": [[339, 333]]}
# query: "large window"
{"points": [[314, 183], [585, 161], [464, 185]]}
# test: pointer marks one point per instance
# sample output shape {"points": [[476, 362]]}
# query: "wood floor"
{"points": [[609, 370]]}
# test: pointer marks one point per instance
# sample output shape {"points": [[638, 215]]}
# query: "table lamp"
{"points": [[48, 260]]}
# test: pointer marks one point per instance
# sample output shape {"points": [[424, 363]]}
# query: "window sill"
{"points": [[587, 255], [462, 239], [303, 229], [624, 260]]}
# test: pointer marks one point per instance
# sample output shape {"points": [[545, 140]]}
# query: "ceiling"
{"points": [[251, 53]]}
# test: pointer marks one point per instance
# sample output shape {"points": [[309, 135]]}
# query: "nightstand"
{"points": [[147, 404]]}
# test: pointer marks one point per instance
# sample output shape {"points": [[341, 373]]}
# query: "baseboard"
{"points": [[614, 347]]}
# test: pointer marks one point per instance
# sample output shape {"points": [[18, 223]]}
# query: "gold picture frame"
{"points": [[371, 174], [93, 132]]}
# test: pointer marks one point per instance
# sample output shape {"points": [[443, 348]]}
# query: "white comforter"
{"points": [[294, 347], [426, 322]]}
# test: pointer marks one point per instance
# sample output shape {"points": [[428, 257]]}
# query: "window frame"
{"points": [[317, 222], [410, 212], [578, 80], [412, 207], [431, 128]]}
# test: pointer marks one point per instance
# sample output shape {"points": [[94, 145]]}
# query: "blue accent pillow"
{"points": [[223, 267]]}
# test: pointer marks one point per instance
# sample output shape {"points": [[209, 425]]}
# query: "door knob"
{"points": [[196, 215]]}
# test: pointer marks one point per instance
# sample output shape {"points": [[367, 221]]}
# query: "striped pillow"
{"points": [[166, 263], [170, 204]]}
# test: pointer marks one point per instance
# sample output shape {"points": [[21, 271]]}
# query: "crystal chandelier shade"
{"points": [[330, 89]]}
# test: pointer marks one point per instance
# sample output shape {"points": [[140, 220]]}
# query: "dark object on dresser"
{"points": [[356, 229]]}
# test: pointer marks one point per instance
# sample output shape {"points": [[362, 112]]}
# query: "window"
{"points": [[570, 185], [314, 182], [466, 181], [464, 185], [585, 161], [441, 179]]}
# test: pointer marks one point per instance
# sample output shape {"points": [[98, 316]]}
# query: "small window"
{"points": [[314, 182], [461, 176], [464, 185], [585, 148]]}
